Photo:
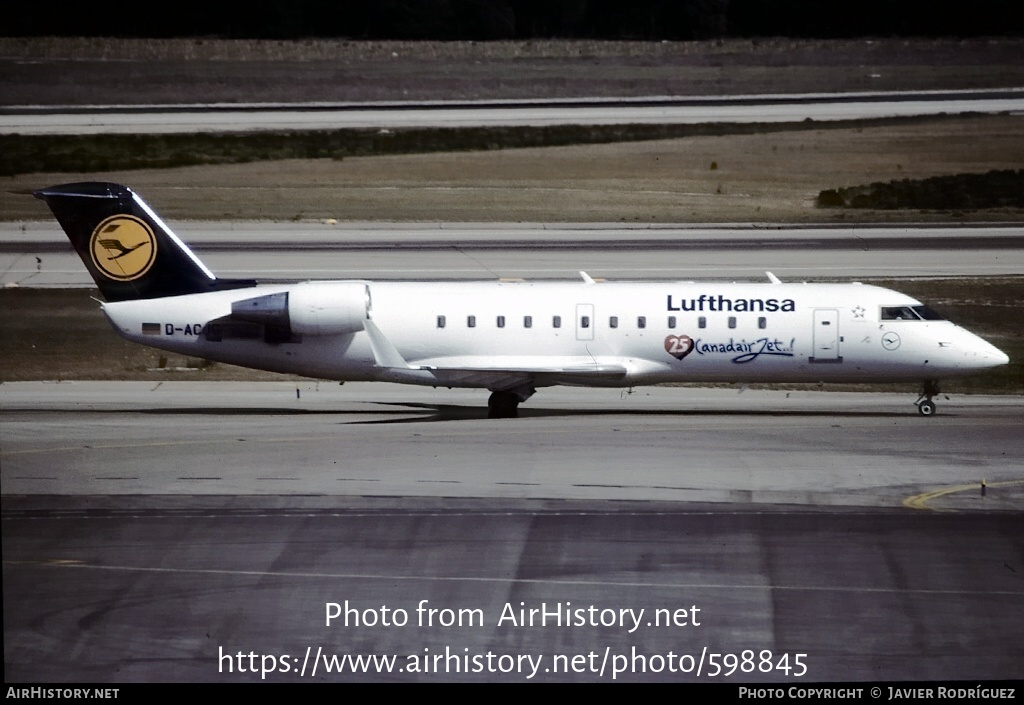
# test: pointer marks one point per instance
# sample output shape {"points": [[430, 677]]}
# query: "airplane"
{"points": [[510, 338]]}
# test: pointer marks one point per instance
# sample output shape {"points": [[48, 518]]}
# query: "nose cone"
{"points": [[982, 355], [961, 352], [999, 357]]}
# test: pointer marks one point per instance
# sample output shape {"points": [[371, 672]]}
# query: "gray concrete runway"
{"points": [[154, 532], [165, 589], [365, 439], [35, 120]]}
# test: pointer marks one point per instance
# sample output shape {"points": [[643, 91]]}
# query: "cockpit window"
{"points": [[927, 314], [898, 313], [909, 313]]}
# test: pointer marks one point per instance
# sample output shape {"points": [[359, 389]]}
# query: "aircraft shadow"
{"points": [[418, 412], [451, 412]]}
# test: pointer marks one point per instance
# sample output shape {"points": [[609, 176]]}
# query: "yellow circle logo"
{"points": [[123, 247]]}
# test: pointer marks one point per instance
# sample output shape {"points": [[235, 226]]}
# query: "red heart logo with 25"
{"points": [[679, 346]]}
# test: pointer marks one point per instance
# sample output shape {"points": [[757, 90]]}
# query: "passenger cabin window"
{"points": [[671, 321], [527, 321], [471, 321], [762, 322], [556, 322], [641, 322], [702, 322], [909, 313], [613, 322], [501, 321], [441, 321], [732, 321]]}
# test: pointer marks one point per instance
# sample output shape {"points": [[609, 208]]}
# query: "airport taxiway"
{"points": [[38, 254], [154, 532], [154, 119], [366, 439]]}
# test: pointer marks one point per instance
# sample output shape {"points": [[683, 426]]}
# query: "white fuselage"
{"points": [[501, 335]]}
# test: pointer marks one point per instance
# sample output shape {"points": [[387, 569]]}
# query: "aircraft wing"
{"points": [[484, 373], [493, 372], [489, 371]]}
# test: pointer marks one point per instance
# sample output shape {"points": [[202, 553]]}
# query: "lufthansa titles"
{"points": [[704, 302]]}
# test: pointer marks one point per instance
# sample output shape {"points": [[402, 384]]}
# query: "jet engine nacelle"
{"points": [[310, 308]]}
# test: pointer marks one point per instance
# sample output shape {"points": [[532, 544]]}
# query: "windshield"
{"points": [[909, 313]]}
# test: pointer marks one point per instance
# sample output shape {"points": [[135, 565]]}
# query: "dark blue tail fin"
{"points": [[127, 249]]}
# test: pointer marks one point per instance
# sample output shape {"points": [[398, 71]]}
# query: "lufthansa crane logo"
{"points": [[123, 247]]}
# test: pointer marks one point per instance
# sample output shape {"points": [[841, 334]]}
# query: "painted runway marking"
{"points": [[60, 563], [920, 501]]}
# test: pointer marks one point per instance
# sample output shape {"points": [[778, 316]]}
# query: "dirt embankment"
{"points": [[765, 177], [769, 178]]}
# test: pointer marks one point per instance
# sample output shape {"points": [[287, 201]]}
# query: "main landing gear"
{"points": [[505, 404], [925, 405]]}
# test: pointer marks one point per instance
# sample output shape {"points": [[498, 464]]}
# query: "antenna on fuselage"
{"points": [[773, 279], [466, 254]]}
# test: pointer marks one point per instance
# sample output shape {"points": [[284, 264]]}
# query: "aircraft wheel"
{"points": [[503, 405], [926, 408]]}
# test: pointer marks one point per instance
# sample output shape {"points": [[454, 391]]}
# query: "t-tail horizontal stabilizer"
{"points": [[128, 250]]}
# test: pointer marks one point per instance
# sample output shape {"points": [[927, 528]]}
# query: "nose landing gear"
{"points": [[925, 404]]}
